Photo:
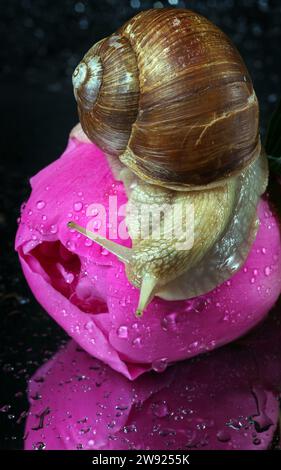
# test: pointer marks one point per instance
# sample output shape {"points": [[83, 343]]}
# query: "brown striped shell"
{"points": [[170, 95]]}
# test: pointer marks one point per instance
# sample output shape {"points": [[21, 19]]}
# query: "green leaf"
{"points": [[273, 142]]}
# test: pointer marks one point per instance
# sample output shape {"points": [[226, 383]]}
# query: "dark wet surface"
{"points": [[43, 41]]}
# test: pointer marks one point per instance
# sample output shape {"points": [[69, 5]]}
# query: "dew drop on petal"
{"points": [[53, 229], [39, 445], [137, 342], [89, 326], [160, 365], [70, 244], [193, 346], [267, 270], [160, 409], [77, 206], [130, 428], [223, 436], [40, 205], [122, 332], [88, 242], [169, 322], [199, 305]]}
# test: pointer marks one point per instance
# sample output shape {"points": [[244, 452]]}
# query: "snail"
{"points": [[169, 100]]}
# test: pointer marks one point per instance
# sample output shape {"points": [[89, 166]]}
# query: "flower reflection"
{"points": [[227, 399]]}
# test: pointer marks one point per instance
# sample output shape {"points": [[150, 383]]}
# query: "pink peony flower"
{"points": [[225, 400], [85, 289]]}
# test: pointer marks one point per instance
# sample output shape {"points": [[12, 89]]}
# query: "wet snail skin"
{"points": [[171, 103]]}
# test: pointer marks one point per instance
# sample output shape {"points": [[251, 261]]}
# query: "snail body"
{"points": [[170, 98]]}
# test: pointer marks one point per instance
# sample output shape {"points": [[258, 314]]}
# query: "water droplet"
{"points": [[44, 217], [167, 432], [160, 409], [41, 419], [40, 205], [263, 250], [89, 325], [123, 302], [160, 365], [122, 332], [71, 246], [253, 280], [256, 441], [39, 445], [64, 312], [104, 252], [189, 305], [234, 424], [137, 341], [88, 242], [22, 207], [199, 305], [223, 436], [54, 228], [5, 408], [267, 270], [130, 428], [77, 206], [169, 322]]}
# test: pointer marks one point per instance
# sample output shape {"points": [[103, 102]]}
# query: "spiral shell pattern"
{"points": [[170, 96]]}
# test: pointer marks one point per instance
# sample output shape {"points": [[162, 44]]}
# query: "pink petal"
{"points": [[86, 290]]}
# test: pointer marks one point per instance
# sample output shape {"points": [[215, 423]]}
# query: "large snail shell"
{"points": [[170, 95]]}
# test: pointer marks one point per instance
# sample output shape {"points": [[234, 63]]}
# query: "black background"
{"points": [[41, 42]]}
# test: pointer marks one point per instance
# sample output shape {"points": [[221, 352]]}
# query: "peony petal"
{"points": [[86, 291]]}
